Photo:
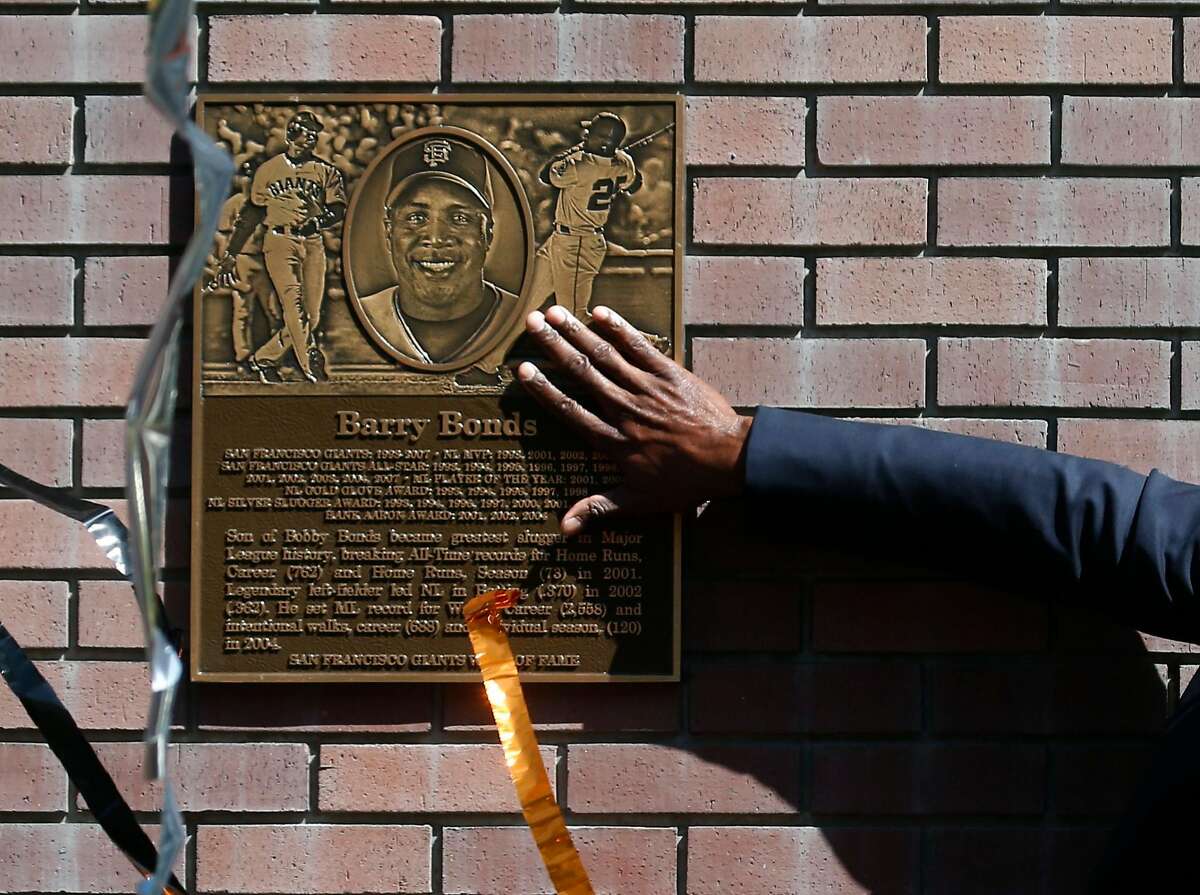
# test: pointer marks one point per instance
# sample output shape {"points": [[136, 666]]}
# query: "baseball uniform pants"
{"points": [[567, 266], [252, 283], [297, 268]]}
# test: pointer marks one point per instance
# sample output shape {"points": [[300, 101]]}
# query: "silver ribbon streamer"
{"points": [[151, 406]]}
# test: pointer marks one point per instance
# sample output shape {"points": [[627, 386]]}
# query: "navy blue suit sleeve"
{"points": [[1091, 532]]}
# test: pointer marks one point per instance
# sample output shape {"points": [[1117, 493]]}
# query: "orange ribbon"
{"points": [[503, 688]]}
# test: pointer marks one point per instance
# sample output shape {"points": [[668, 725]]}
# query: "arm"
{"points": [[334, 208], [634, 173], [326, 219], [1095, 531], [258, 187], [544, 173], [247, 220], [1082, 528], [248, 217]]}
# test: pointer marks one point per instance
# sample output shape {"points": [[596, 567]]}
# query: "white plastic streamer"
{"points": [[151, 408]]}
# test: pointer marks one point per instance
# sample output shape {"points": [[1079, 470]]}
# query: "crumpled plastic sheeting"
{"points": [[47, 711], [151, 408]]}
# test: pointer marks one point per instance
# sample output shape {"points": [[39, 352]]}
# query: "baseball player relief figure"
{"points": [[246, 280], [589, 177], [295, 195]]}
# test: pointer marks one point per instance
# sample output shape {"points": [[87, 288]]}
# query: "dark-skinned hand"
{"points": [[675, 438]]}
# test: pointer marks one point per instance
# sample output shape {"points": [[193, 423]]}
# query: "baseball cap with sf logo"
{"points": [[447, 158]]}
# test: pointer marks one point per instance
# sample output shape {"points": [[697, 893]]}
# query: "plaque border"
{"points": [[203, 99]]}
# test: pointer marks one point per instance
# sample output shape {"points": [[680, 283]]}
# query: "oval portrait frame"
{"points": [[511, 328]]}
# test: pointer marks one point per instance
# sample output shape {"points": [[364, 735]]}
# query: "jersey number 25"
{"points": [[603, 191]]}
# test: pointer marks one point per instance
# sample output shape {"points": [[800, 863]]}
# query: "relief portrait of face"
{"points": [[438, 234], [438, 309]]}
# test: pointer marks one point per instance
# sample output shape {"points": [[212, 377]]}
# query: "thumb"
{"points": [[619, 501]]}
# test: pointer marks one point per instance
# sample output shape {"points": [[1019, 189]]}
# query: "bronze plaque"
{"points": [[363, 461]]}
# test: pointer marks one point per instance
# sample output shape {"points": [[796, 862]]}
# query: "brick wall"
{"points": [[975, 222]]}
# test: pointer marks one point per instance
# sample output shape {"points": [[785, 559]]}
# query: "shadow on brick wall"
{"points": [[851, 722], [951, 737]]}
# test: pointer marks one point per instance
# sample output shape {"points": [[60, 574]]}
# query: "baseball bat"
{"points": [[649, 137]]}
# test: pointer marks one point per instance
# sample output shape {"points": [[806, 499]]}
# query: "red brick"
{"points": [[62, 543], [1187, 674], [84, 208], [1120, 695], [1054, 50], [732, 539], [810, 49], [435, 778], [314, 859], [101, 695], [524, 47], [1191, 376], [990, 697], [715, 618], [1027, 432], [36, 130], [120, 291], [215, 776], [1129, 292], [501, 860], [625, 707], [1064, 211], [1166, 445], [815, 372], [35, 612], [87, 372], [1115, 696], [933, 130], [31, 779], [931, 290], [1078, 629], [745, 130], [63, 858], [928, 779], [787, 860], [104, 453], [744, 291], [1190, 203], [1097, 779], [38, 291], [864, 697], [1030, 861], [1191, 50], [647, 779], [1054, 372], [825, 211], [40, 449], [273, 48], [73, 49], [321, 708], [832, 697], [109, 615], [913, 616], [124, 130], [1130, 130]]}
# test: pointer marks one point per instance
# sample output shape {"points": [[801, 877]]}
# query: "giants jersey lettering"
{"points": [[586, 186], [315, 182]]}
